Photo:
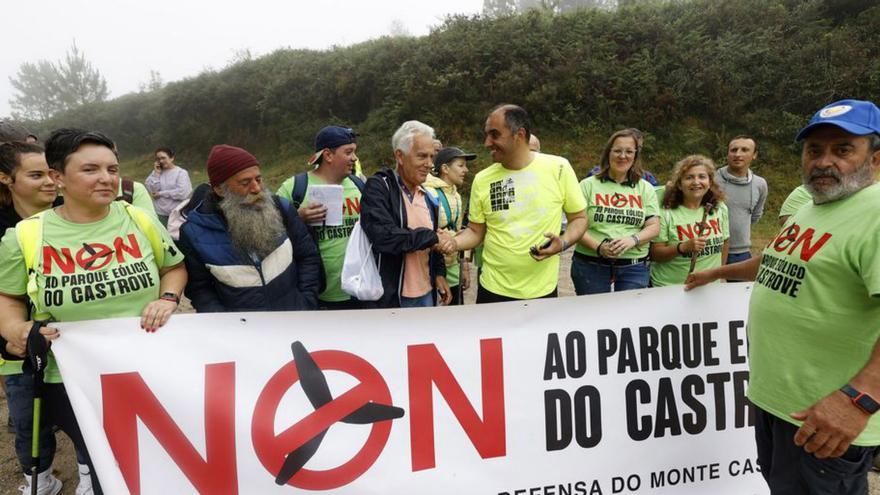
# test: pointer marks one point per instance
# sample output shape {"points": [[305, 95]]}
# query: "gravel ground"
{"points": [[65, 463]]}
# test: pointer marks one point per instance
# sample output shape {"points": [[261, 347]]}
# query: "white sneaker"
{"points": [[85, 481], [47, 484]]}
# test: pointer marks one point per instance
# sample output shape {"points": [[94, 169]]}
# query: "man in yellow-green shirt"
{"points": [[814, 337], [515, 208]]}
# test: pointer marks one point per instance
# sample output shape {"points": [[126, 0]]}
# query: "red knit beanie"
{"points": [[224, 161]]}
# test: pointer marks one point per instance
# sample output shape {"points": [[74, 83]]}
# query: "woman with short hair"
{"points": [[133, 267]]}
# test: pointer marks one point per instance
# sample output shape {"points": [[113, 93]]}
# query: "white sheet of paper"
{"points": [[331, 196]]}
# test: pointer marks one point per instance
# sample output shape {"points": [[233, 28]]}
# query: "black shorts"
{"points": [[790, 470]]}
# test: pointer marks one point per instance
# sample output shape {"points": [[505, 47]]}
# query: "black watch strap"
{"points": [[170, 296], [861, 400]]}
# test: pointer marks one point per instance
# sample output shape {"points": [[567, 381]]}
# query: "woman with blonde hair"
{"points": [[694, 227]]}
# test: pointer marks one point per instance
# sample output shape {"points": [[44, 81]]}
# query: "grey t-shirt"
{"points": [[745, 197]]}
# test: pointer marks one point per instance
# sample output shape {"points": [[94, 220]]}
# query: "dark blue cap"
{"points": [[330, 137], [853, 116]]}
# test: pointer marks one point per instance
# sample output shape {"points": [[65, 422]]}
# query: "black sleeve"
{"points": [[382, 226], [200, 287], [5, 355], [307, 259], [438, 263]]}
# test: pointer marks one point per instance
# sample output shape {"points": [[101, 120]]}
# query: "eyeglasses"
{"points": [[623, 152]]}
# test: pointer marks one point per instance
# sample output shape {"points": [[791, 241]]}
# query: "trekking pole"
{"points": [[706, 209], [37, 352]]}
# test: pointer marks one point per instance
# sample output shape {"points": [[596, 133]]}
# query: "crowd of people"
{"points": [[83, 243]]}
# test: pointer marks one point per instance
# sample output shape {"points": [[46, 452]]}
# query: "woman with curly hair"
{"points": [[693, 223]]}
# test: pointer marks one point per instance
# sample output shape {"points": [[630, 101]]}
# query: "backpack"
{"points": [[127, 191], [29, 233], [301, 183]]}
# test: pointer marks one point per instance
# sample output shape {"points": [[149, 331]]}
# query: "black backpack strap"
{"points": [[300, 184], [127, 191], [357, 182]]}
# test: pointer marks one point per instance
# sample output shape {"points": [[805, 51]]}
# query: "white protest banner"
{"points": [[635, 392]]}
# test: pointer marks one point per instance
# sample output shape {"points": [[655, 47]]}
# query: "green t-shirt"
{"points": [[332, 240], [104, 269], [797, 198], [618, 210], [518, 207], [814, 313], [680, 224]]}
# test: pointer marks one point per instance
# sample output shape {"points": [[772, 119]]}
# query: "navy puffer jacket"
{"points": [[224, 279]]}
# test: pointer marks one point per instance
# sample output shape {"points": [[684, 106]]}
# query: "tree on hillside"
{"points": [[398, 29], [498, 8], [154, 84], [560, 6], [45, 88]]}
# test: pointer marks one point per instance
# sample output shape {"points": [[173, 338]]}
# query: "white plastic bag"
{"points": [[360, 276]]}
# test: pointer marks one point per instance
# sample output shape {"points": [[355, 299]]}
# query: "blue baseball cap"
{"points": [[853, 116], [330, 137]]}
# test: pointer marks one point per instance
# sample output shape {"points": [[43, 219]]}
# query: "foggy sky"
{"points": [[125, 39]]}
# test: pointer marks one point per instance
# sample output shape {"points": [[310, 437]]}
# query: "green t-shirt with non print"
{"points": [[617, 210], [332, 240], [814, 313], [103, 269], [518, 207], [680, 224], [797, 198]]}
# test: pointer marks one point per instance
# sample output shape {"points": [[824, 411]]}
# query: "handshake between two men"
{"points": [[470, 237]]}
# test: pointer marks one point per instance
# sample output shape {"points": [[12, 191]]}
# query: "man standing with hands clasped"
{"points": [[814, 315], [515, 209]]}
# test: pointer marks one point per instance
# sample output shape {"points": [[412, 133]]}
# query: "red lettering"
{"points": [[682, 233], [635, 201], [127, 398], [426, 368], [50, 254], [353, 205], [786, 238], [792, 238], [602, 200], [133, 248], [807, 249]]}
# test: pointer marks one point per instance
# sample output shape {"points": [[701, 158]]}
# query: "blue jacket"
{"points": [[383, 219], [224, 279]]}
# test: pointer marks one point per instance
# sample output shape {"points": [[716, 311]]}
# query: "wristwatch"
{"points": [[170, 296], [860, 399]]}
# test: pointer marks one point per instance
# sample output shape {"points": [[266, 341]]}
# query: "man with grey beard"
{"points": [[814, 337], [246, 249]]}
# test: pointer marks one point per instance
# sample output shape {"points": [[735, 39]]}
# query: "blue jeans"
{"points": [[425, 301], [595, 278], [736, 258]]}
